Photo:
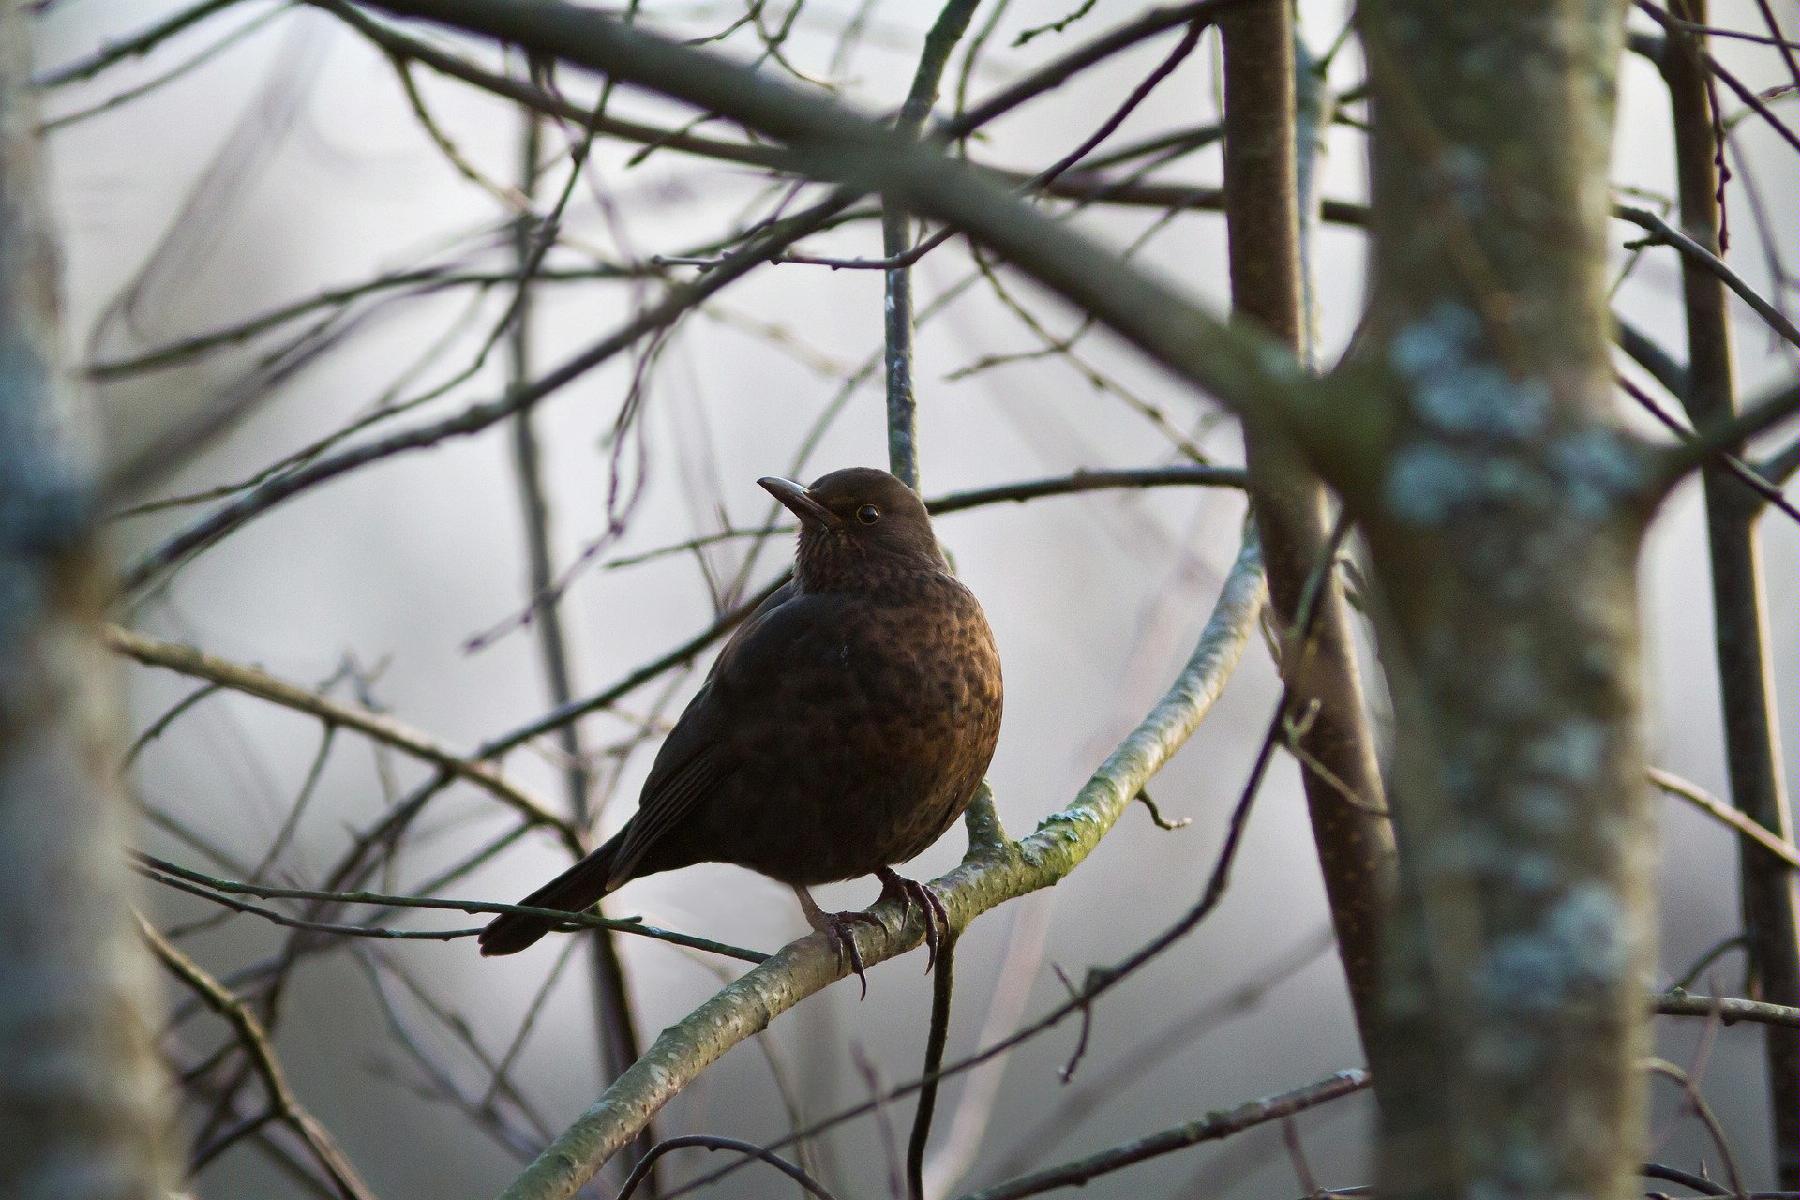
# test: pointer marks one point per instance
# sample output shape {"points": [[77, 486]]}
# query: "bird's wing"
{"points": [[695, 757], [675, 796], [798, 638]]}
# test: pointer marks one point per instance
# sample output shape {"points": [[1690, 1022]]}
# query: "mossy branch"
{"points": [[981, 883]]}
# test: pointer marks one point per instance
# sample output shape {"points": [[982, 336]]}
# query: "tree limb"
{"points": [[1245, 371], [1060, 843]]}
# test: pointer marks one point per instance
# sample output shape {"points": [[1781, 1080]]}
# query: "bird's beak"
{"points": [[799, 501]]}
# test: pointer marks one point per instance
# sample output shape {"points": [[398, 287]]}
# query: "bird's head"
{"points": [[857, 527]]}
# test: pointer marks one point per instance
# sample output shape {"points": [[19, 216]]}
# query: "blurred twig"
{"points": [[187, 660], [1725, 814], [1209, 1128], [250, 1033], [135, 46]]}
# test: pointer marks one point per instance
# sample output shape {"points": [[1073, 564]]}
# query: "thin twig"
{"points": [[1701, 1109], [1212, 1127], [942, 983], [186, 660], [172, 874], [180, 70], [255, 1040], [1665, 233], [1756, 418], [1725, 814], [135, 46], [707, 1141], [1739, 470]]}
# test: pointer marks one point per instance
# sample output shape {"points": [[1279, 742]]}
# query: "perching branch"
{"points": [[1060, 843]]}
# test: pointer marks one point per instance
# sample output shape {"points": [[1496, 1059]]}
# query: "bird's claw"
{"points": [[837, 928], [910, 893]]}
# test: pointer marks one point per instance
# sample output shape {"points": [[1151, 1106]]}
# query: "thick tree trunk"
{"points": [[1504, 524], [79, 1089]]}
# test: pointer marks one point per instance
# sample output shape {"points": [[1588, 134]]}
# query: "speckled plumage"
{"points": [[845, 726]]}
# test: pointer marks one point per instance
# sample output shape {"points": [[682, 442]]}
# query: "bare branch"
{"points": [[1242, 369], [255, 1040], [1726, 815], [186, 660], [1210, 1128], [169, 873], [1061, 842]]}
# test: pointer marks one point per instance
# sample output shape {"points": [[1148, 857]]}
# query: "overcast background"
{"points": [[291, 163]]}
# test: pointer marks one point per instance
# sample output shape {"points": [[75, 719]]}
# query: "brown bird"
{"points": [[845, 726]]}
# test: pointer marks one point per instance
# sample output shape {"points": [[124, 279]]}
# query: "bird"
{"points": [[844, 726]]}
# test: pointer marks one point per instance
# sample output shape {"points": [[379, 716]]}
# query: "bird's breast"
{"points": [[897, 734]]}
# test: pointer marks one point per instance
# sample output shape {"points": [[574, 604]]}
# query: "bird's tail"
{"points": [[572, 891]]}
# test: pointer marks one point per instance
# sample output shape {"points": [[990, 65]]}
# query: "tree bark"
{"points": [[80, 1093], [1338, 766], [1504, 522]]}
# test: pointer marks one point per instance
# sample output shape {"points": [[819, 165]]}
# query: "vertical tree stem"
{"points": [[80, 1091], [614, 1028], [1740, 624], [897, 316], [902, 407], [903, 460], [1335, 745]]}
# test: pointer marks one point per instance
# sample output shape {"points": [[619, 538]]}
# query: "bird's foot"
{"points": [[910, 893], [839, 930]]}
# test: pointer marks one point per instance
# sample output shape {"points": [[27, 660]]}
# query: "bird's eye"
{"points": [[868, 514]]}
